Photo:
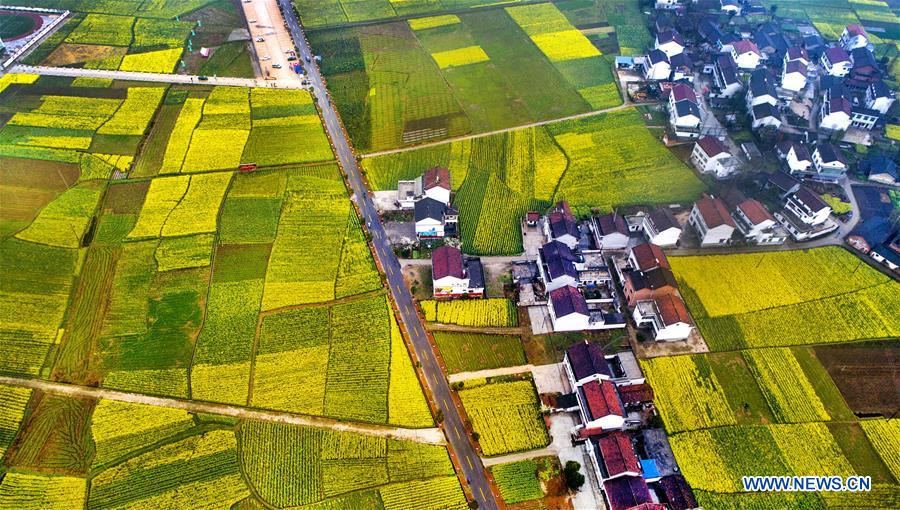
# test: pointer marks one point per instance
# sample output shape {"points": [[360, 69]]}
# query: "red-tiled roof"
{"points": [[745, 46], [649, 256], [602, 399], [532, 216], [446, 261], [755, 211], [437, 176], [854, 29], [618, 454], [714, 212], [681, 92], [836, 54], [712, 146], [672, 310], [636, 393]]}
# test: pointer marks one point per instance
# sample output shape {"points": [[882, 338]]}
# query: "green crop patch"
{"points": [[465, 352], [322, 13]]}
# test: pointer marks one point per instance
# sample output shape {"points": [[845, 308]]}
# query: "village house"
{"points": [[795, 156], [601, 408], [805, 215], [880, 168], [854, 36], [656, 66], [836, 109], [610, 232], [797, 54], [557, 265], [711, 156], [864, 68], [668, 5], [711, 221], [665, 316], [864, 118], [645, 274], [568, 310], [455, 275], [771, 42], [682, 67], [661, 228], [765, 115], [628, 493], [560, 225], [585, 362], [783, 182], [435, 184], [615, 456], [793, 76], [684, 111], [836, 61], [732, 7], [879, 239], [434, 219], [669, 42], [726, 76], [879, 97], [745, 54], [829, 162], [757, 224]]}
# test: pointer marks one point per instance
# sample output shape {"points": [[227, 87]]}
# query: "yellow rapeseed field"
{"points": [[460, 57]]}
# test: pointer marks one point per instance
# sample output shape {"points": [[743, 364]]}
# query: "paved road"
{"points": [[469, 460], [153, 77], [429, 436], [268, 23]]}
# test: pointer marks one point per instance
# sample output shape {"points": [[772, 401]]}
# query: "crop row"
{"points": [[119, 428], [496, 312], [885, 437], [787, 390], [506, 416]]}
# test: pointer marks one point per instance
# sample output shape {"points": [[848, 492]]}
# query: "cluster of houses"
{"points": [[793, 85], [634, 465], [879, 238], [428, 196]]}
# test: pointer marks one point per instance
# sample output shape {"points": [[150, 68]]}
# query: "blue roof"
{"points": [[648, 466], [874, 230]]}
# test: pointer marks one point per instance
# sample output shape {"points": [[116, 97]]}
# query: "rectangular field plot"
{"points": [[599, 162], [867, 375], [465, 352], [402, 83], [505, 415], [493, 312], [824, 295], [322, 13]]}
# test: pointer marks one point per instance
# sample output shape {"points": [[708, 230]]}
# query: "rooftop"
{"points": [[836, 55], [681, 92], [617, 454], [567, 300], [429, 208], [663, 219], [672, 310], [627, 492], [586, 359], [559, 259], [712, 146], [809, 199], [755, 211], [447, 261], [714, 212], [602, 399], [436, 177], [649, 256], [612, 223]]}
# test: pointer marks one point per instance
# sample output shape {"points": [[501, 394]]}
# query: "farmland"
{"points": [[156, 457], [136, 36], [603, 162], [337, 12], [401, 83], [496, 312], [464, 352], [865, 374], [521, 481], [817, 287], [505, 415]]}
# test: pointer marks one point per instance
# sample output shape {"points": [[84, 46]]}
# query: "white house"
{"points": [[730, 7], [797, 53], [682, 67], [669, 42], [557, 265], [661, 228], [568, 309], [745, 54], [795, 155], [836, 61], [761, 89], [829, 162], [711, 156], [793, 76], [765, 115], [656, 66], [756, 224], [666, 316], [725, 74], [455, 275], [586, 362], [667, 5], [434, 219], [864, 118], [434, 183], [834, 114], [805, 215], [854, 36], [684, 111], [611, 232], [879, 97], [711, 221], [560, 225]]}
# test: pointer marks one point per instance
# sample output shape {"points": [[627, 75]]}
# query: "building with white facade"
{"points": [[455, 275], [661, 228], [710, 220], [711, 156]]}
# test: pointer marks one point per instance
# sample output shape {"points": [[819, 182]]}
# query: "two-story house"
{"points": [[836, 109], [611, 231], [793, 76], [745, 54], [829, 162], [661, 228], [665, 316], [836, 61], [879, 97], [434, 184], [854, 36], [435, 219], [560, 225], [726, 75], [455, 275], [669, 42], [712, 156], [805, 215], [657, 66], [557, 265], [757, 224], [795, 156], [711, 221], [684, 111]]}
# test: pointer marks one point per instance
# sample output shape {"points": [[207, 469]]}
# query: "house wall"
{"points": [[659, 71], [835, 121], [614, 241], [571, 322], [429, 228], [439, 194], [746, 61], [449, 286], [795, 164], [717, 236], [559, 282], [674, 332], [840, 69], [668, 237]]}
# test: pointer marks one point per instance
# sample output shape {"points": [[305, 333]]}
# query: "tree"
{"points": [[574, 479]]}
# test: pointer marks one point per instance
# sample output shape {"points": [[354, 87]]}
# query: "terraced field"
{"points": [[405, 82], [602, 162]]}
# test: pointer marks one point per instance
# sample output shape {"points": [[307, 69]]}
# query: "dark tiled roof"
{"points": [[783, 181], [663, 219], [829, 153], [755, 211], [796, 66], [660, 278], [678, 492], [836, 54], [602, 399], [796, 53], [586, 359], [562, 224], [879, 164], [880, 89], [627, 492], [714, 212], [612, 223], [476, 273], [874, 230], [810, 199], [672, 310], [712, 146], [649, 256], [657, 56], [669, 35], [617, 454], [567, 300], [728, 68], [686, 108], [559, 260], [636, 393], [429, 208], [437, 176], [761, 83], [447, 261], [839, 104], [681, 60], [764, 110]]}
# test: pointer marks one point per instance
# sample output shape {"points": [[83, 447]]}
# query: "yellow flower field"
{"points": [[35, 492], [198, 209], [160, 61], [162, 196], [885, 438], [506, 416], [565, 45], [688, 394], [460, 57], [406, 401], [433, 22]]}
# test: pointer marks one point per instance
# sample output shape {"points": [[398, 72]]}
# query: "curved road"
{"points": [[469, 460]]}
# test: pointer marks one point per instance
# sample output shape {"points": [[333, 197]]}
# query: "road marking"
{"points": [[471, 466], [481, 491]]}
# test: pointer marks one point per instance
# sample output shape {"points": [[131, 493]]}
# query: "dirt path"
{"points": [[492, 372], [488, 330], [428, 436], [622, 106]]}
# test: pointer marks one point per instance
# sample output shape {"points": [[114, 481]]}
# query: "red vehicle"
{"points": [[247, 167]]}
